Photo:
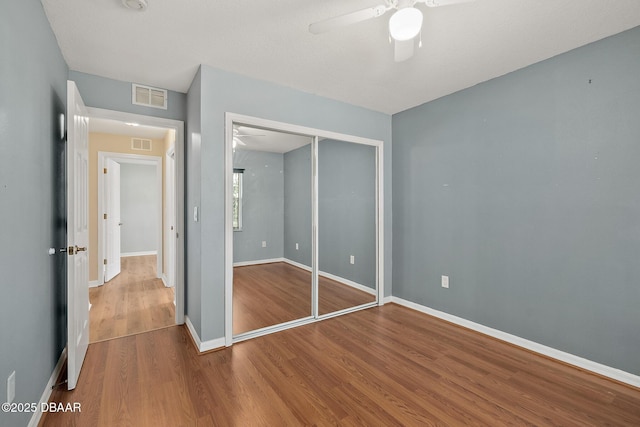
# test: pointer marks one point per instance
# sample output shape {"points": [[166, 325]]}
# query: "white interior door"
{"points": [[170, 221], [77, 233], [112, 219]]}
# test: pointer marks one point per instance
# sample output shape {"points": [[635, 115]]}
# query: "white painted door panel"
{"points": [[113, 221], [77, 233], [170, 226]]}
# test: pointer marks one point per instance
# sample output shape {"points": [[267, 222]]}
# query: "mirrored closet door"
{"points": [[346, 225], [272, 248], [305, 210]]}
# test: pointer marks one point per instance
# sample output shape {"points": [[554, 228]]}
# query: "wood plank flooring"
{"points": [[269, 294], [382, 366], [132, 302]]}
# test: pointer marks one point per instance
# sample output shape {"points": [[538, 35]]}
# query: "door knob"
{"points": [[81, 249]]}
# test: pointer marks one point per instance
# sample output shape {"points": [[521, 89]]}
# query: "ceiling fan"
{"points": [[237, 137], [405, 24]]}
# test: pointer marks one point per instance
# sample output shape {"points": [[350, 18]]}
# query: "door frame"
{"points": [[316, 134], [178, 126], [136, 159], [169, 215]]}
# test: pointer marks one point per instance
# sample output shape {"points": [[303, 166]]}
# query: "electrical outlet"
{"points": [[445, 281], [264, 243], [297, 247], [352, 259], [11, 387]]}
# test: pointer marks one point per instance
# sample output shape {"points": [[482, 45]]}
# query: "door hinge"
{"points": [[105, 262], [105, 216], [104, 170]]}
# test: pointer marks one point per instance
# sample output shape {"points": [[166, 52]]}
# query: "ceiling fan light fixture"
{"points": [[405, 24]]}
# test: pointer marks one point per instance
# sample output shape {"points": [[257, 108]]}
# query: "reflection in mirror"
{"points": [[346, 225], [272, 228]]}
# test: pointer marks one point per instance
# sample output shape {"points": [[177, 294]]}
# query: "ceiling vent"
{"points": [[140, 144], [149, 96]]}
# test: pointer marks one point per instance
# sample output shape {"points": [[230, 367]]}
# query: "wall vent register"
{"points": [[140, 144], [149, 96]]}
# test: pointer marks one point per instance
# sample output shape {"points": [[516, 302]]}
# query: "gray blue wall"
{"points": [[227, 92], [193, 182], [102, 92], [524, 190], [262, 206], [297, 205], [33, 78], [138, 208], [347, 210]]}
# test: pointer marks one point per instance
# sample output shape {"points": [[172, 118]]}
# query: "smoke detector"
{"points": [[135, 4]]}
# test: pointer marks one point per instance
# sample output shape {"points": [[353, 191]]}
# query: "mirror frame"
{"points": [[232, 119]]}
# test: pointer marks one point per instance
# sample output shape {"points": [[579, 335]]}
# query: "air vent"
{"points": [[140, 144], [149, 96]]}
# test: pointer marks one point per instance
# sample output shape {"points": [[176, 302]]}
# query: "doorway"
{"points": [[144, 274]]}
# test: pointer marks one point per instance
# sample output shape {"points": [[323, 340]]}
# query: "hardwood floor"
{"points": [[269, 294], [134, 301], [378, 367]]}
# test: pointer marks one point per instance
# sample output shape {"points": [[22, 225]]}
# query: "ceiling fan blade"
{"points": [[403, 50], [438, 3], [348, 19]]}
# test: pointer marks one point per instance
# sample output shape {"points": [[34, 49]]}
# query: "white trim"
{"points": [[257, 262], [203, 345], [179, 145], [95, 284], [165, 281], [296, 264], [35, 418], [560, 355], [142, 253], [339, 279], [387, 300], [230, 119], [348, 282]]}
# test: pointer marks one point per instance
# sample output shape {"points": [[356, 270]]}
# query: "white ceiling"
{"points": [[256, 139], [115, 127], [462, 44]]}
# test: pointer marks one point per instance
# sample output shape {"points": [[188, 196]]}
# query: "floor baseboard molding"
{"points": [[94, 284], [165, 281], [203, 346], [348, 282], [37, 415], [296, 264], [257, 262], [571, 359], [339, 279], [143, 253]]}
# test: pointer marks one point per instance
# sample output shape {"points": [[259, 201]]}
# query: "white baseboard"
{"points": [[348, 282], [35, 418], [165, 281], [296, 264], [339, 279], [257, 262], [94, 284], [569, 358], [143, 253], [206, 345], [387, 300]]}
